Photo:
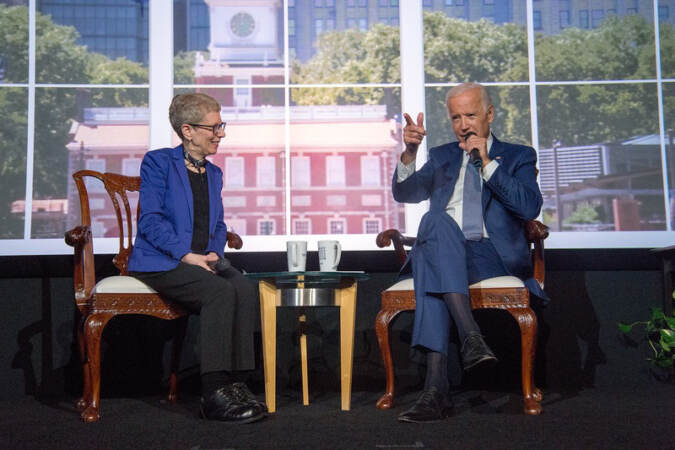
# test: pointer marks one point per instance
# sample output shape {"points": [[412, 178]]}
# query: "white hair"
{"points": [[462, 88]]}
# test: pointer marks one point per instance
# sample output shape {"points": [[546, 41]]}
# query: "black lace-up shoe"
{"points": [[431, 406], [244, 395], [224, 405], [476, 353]]}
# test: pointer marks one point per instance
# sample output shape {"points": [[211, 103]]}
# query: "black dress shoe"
{"points": [[431, 406], [476, 353], [244, 395], [224, 405]]}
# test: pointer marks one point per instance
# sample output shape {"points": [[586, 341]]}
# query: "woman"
{"points": [[181, 236]]}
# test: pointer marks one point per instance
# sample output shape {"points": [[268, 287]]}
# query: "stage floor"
{"points": [[600, 417]]}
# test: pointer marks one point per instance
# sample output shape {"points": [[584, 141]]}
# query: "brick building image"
{"points": [[339, 168]]}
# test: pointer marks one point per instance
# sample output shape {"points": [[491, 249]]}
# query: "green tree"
{"points": [[458, 50], [584, 213], [59, 59], [351, 56], [184, 67], [14, 44], [486, 51], [621, 48]]}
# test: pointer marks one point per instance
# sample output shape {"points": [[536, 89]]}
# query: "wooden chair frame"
{"points": [[96, 308], [514, 300]]}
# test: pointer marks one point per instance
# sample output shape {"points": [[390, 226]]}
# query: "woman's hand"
{"points": [[201, 260]]}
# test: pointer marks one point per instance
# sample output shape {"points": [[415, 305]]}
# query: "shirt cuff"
{"points": [[404, 171], [490, 169]]}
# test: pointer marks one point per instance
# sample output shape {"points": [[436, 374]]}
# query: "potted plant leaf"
{"points": [[659, 333]]}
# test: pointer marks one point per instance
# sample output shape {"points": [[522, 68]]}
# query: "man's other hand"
{"points": [[413, 133]]}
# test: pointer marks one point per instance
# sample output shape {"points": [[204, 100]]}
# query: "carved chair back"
{"points": [[118, 187]]}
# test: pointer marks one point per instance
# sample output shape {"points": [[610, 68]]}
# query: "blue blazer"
{"points": [[166, 215], [510, 197]]}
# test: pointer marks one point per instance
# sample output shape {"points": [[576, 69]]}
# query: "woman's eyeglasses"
{"points": [[217, 128]]}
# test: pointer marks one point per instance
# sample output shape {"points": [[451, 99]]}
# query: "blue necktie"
{"points": [[472, 206]]}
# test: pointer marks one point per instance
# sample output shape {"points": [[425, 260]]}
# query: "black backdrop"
{"points": [[578, 343]]}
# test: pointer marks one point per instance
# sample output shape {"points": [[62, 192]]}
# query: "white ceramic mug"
{"points": [[329, 255], [297, 255]]}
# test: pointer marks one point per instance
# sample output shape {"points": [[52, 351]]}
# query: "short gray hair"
{"points": [[462, 88], [190, 108]]}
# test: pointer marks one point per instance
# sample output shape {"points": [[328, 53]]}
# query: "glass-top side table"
{"points": [[307, 289]]}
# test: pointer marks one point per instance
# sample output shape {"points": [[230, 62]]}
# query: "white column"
{"points": [[30, 136], [160, 36], [412, 89]]}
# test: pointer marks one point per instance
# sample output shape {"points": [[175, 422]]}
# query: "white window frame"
{"points": [[95, 185], [266, 171], [237, 225], [371, 176], [336, 175], [260, 222], [301, 171], [131, 167], [304, 221], [336, 220], [235, 177], [372, 220], [412, 86]]}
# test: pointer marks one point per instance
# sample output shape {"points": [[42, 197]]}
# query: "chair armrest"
{"points": [[536, 232], [234, 240], [386, 237], [83, 259], [78, 236]]}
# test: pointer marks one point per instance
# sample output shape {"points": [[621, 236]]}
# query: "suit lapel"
{"points": [[495, 153], [179, 163]]}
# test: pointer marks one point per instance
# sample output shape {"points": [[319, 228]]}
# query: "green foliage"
{"points": [[58, 59], [620, 48], [659, 332], [13, 104], [184, 67], [351, 56], [457, 50], [14, 43], [584, 213], [102, 70]]}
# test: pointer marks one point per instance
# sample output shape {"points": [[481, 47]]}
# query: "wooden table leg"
{"points": [[303, 360], [268, 319], [346, 298]]}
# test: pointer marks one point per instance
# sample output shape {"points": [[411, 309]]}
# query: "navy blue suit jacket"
{"points": [[166, 217], [510, 198]]}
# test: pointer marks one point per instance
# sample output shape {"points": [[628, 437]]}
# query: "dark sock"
{"points": [[212, 381], [437, 373], [459, 306]]}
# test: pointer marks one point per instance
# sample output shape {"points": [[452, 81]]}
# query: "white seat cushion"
{"points": [[499, 282], [496, 282], [403, 285], [122, 285]]}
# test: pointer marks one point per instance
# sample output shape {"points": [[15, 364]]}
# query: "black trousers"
{"points": [[226, 306]]}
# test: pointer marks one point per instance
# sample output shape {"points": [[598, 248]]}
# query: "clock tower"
{"points": [[246, 47], [246, 30]]}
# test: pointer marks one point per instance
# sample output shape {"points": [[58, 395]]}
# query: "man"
{"points": [[481, 191]]}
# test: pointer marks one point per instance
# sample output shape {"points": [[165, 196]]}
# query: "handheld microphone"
{"points": [[474, 154], [222, 265]]}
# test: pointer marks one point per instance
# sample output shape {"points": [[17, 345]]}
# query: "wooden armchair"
{"points": [[505, 292], [98, 302]]}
